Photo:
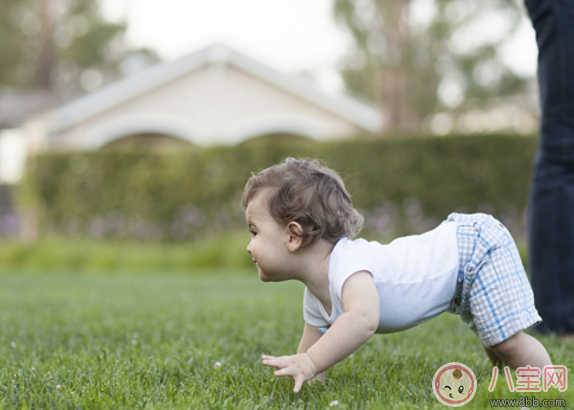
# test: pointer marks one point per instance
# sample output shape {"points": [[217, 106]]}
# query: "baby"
{"points": [[302, 222]]}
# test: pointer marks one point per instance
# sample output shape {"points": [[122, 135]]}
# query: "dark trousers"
{"points": [[551, 221]]}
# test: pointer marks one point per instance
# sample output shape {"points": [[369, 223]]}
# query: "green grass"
{"points": [[120, 340]]}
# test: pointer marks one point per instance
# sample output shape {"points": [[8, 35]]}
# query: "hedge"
{"points": [[401, 185]]}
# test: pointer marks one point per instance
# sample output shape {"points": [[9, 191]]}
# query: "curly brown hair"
{"points": [[309, 193]]}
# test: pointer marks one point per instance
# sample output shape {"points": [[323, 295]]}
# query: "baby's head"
{"points": [[308, 193]]}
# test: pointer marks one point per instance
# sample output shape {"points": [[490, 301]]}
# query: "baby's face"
{"points": [[268, 246], [455, 386]]}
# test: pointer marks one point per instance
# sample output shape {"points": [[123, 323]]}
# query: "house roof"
{"points": [[17, 105], [362, 115]]}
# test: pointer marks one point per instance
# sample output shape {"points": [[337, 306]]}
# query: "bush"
{"points": [[226, 251], [401, 185]]}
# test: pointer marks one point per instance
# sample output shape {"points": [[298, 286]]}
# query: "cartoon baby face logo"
{"points": [[454, 384]]}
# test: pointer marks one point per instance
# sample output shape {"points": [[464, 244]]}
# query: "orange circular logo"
{"points": [[454, 384]]}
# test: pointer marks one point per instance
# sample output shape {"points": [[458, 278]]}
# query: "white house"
{"points": [[12, 155], [213, 96], [16, 106]]}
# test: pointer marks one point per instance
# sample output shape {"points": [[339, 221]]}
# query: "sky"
{"points": [[293, 36]]}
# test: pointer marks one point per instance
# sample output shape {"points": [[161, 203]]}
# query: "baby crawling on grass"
{"points": [[302, 222]]}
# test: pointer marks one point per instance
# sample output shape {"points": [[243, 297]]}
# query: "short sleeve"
{"points": [[344, 271], [311, 312]]}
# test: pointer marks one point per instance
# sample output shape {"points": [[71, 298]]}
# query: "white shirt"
{"points": [[415, 277]]}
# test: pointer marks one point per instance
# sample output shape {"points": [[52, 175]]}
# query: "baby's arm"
{"points": [[311, 335], [349, 332]]}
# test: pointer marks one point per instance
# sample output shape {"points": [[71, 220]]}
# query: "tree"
{"points": [[60, 45], [418, 57]]}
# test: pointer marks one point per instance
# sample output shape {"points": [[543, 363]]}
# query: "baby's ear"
{"points": [[294, 233]]}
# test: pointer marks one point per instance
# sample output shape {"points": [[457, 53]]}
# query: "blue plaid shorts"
{"points": [[493, 295]]}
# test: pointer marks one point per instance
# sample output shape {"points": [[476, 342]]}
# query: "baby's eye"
{"points": [[448, 387], [460, 389], [253, 233]]}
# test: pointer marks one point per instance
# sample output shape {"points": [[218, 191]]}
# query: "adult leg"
{"points": [[551, 224]]}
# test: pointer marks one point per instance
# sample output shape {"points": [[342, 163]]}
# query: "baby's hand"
{"points": [[299, 367]]}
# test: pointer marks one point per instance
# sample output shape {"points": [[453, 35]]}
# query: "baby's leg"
{"points": [[493, 357], [521, 350]]}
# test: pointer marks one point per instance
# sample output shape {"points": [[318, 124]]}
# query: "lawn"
{"points": [[171, 340]]}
